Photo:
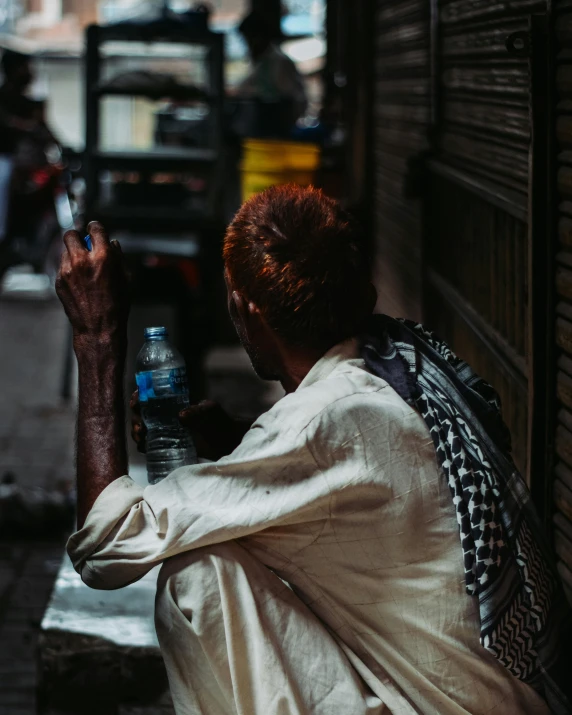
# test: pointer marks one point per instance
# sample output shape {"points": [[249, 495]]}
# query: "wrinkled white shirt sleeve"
{"points": [[130, 529]]}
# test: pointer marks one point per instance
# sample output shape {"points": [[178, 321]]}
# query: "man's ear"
{"points": [[371, 297], [248, 313], [251, 317], [239, 303]]}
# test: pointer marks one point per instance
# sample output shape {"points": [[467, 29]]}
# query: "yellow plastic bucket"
{"points": [[267, 162]]}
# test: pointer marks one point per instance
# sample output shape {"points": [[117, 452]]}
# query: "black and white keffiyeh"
{"points": [[508, 563]]}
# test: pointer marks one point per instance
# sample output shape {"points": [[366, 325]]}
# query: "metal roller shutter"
{"points": [[401, 117], [563, 470], [478, 243]]}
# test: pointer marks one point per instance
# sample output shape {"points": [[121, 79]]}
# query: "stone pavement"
{"points": [[36, 447], [36, 426], [27, 573]]}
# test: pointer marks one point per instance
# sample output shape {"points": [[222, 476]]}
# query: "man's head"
{"points": [[297, 276], [257, 33], [17, 69]]}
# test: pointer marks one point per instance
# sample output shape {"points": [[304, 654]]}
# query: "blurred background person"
{"points": [[274, 88], [30, 170], [17, 117]]}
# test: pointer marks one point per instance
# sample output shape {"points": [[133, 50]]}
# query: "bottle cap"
{"points": [[155, 333]]}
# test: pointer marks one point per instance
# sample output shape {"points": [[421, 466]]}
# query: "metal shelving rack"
{"points": [[147, 218], [158, 238]]}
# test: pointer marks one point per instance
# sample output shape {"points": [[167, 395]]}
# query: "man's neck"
{"points": [[295, 365]]}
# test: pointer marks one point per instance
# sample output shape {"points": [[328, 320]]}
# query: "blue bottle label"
{"points": [[161, 383]]}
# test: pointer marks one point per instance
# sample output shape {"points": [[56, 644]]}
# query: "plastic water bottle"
{"points": [[163, 392]]}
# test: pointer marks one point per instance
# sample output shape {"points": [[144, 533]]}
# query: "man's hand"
{"points": [[138, 429], [93, 288], [214, 432], [23, 125]]}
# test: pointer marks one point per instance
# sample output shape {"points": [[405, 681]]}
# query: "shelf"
{"points": [[151, 41], [159, 158], [171, 214], [186, 246], [190, 93], [158, 31]]}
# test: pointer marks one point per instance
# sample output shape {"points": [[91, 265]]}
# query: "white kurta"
{"points": [[336, 489]]}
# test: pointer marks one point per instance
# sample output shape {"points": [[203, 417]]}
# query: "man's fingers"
{"points": [[138, 431], [116, 245], [64, 271], [65, 265], [135, 406], [138, 435], [192, 415], [74, 243], [99, 238]]}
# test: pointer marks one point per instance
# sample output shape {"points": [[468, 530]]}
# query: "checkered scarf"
{"points": [[508, 564]]}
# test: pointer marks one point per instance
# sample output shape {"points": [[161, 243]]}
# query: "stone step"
{"points": [[98, 650]]}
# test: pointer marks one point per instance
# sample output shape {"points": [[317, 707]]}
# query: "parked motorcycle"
{"points": [[44, 203]]}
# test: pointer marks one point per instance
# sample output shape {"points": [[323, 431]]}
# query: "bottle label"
{"points": [[162, 383]]}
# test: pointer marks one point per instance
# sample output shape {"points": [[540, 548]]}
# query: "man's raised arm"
{"points": [[93, 288]]}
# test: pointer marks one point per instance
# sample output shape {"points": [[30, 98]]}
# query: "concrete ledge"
{"points": [[98, 650]]}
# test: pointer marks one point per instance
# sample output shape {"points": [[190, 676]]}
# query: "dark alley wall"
{"points": [[563, 470], [400, 123], [452, 127], [468, 87]]}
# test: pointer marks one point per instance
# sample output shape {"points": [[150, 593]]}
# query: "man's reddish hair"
{"points": [[299, 257]]}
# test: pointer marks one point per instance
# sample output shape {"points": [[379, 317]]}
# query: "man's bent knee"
{"points": [[180, 567], [193, 580]]}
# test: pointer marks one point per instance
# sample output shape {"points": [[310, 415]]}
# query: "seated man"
{"points": [[317, 567]]}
